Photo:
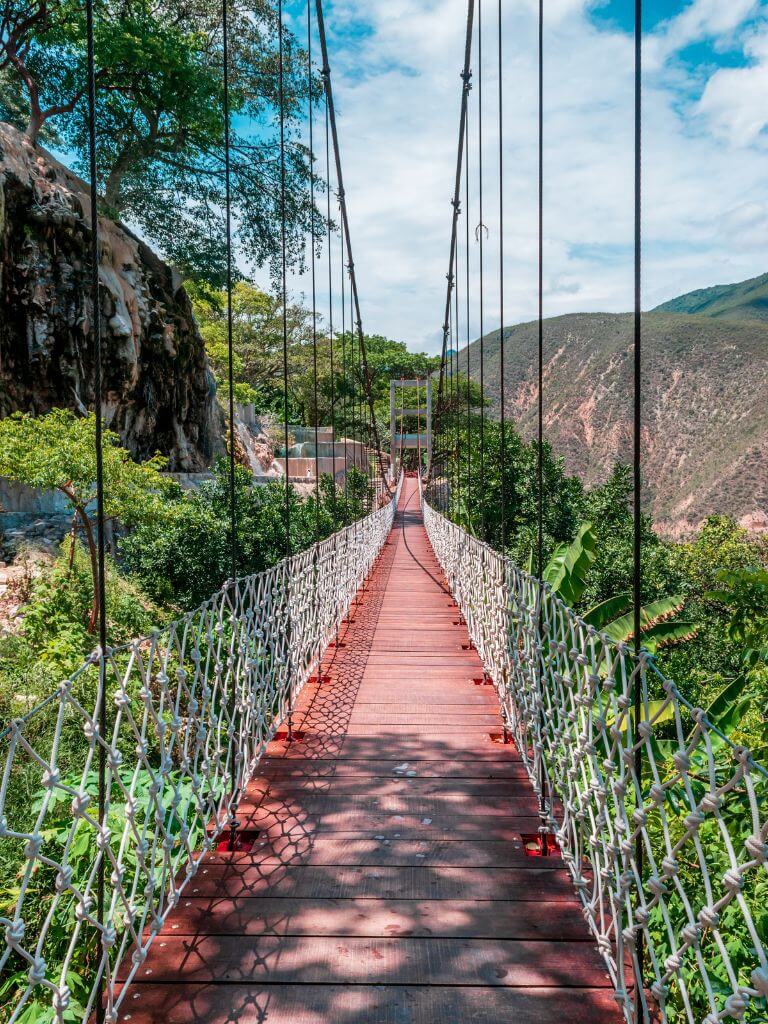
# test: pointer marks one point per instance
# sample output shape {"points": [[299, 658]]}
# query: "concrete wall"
{"points": [[18, 500], [299, 468]]}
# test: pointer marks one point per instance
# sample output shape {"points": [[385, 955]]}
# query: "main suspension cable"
{"points": [[326, 72], [466, 79]]}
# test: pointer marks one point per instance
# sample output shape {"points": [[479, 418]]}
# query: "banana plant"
{"points": [[567, 572]]}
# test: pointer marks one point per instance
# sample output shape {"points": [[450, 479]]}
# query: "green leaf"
{"points": [[622, 629], [567, 568], [601, 614], [729, 706], [658, 711], [665, 634]]}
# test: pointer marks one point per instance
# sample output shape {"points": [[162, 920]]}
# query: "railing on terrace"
{"points": [[691, 920], [190, 710]]}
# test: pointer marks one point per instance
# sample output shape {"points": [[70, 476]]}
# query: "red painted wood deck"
{"points": [[389, 884]]}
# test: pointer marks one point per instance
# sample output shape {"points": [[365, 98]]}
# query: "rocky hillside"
{"points": [[746, 300], [159, 393], [705, 441]]}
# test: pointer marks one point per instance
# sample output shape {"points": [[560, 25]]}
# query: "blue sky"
{"points": [[396, 65]]}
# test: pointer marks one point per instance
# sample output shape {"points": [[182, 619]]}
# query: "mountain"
{"points": [[746, 300], [159, 392], [705, 405]]}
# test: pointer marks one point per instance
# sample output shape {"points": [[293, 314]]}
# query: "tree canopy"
{"points": [[160, 118], [258, 360]]}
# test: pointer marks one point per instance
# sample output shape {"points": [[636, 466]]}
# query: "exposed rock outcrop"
{"points": [[159, 392]]}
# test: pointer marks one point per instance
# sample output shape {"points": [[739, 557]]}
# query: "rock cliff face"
{"points": [[159, 393]]}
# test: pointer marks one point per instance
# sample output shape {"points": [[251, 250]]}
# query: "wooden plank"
{"points": [[413, 883], [341, 850], [394, 784], [267, 915], [366, 1004], [307, 960], [399, 801], [395, 826], [432, 746], [369, 768]]}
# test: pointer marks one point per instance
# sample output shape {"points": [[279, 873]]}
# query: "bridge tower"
{"points": [[421, 439]]}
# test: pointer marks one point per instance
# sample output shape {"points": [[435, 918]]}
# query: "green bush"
{"points": [[185, 556]]}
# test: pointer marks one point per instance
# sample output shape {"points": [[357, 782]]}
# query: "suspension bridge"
{"points": [[394, 778]]}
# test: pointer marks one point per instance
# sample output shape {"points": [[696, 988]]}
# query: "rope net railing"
{"points": [[190, 710], [696, 903]]}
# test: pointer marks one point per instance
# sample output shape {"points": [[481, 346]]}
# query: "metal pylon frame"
{"points": [[421, 439]]}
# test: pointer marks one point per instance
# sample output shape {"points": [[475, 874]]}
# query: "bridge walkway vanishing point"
{"points": [[389, 883]]}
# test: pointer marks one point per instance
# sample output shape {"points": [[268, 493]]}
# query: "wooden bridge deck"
{"points": [[389, 884]]}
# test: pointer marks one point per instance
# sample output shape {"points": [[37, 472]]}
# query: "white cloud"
{"points": [[398, 92], [734, 98], [703, 19]]}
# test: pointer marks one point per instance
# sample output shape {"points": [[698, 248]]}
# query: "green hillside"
{"points": [[705, 435], [746, 300]]}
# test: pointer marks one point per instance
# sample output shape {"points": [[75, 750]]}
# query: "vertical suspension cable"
{"points": [[467, 302], [456, 412], [345, 382], [540, 439], [230, 340], [315, 396], [452, 275], [450, 472], [284, 275], [637, 583], [540, 347], [418, 424], [233, 823], [452, 282], [284, 294], [101, 696], [315, 393], [503, 422], [481, 233], [330, 307]]}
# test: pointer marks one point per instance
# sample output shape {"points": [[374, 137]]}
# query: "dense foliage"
{"points": [[326, 382], [183, 559]]}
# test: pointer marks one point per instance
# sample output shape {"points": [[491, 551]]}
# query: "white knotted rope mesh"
{"points": [[697, 912], [190, 710]]}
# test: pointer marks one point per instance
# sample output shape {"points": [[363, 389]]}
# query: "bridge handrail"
{"points": [[688, 923], [191, 709]]}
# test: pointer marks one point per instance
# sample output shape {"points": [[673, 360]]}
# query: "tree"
{"points": [[58, 452], [257, 341], [160, 117]]}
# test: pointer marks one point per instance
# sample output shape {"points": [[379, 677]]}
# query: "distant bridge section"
{"points": [[420, 439]]}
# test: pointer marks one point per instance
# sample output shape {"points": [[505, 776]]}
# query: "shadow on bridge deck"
{"points": [[389, 884]]}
